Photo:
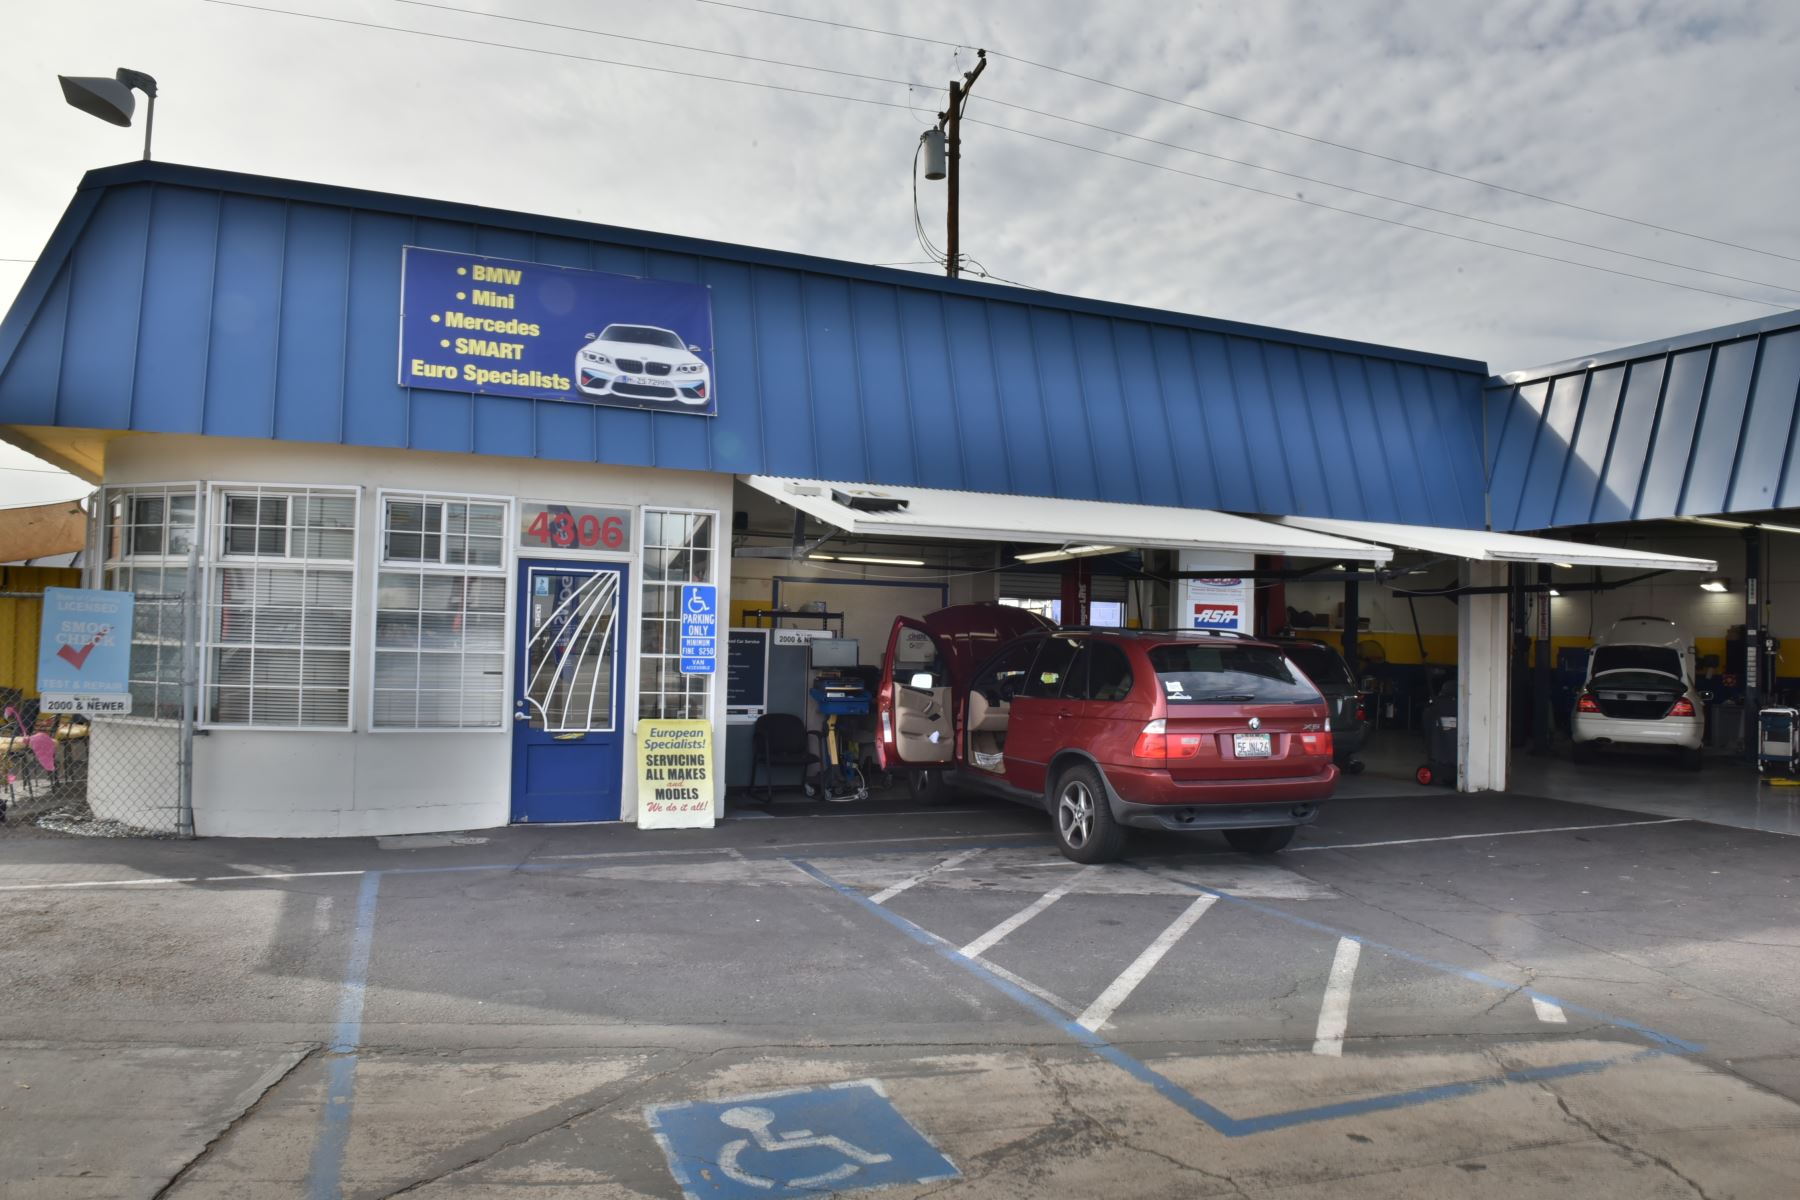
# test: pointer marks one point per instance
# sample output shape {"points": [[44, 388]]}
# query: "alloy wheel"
{"points": [[1075, 814]]}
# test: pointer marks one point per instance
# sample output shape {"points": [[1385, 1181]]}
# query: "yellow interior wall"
{"points": [[1399, 648], [19, 621]]}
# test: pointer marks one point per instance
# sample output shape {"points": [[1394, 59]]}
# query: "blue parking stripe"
{"points": [[1666, 1041], [1217, 1118], [325, 1170]]}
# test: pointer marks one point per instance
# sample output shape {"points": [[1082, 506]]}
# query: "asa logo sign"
{"points": [[1215, 616]]}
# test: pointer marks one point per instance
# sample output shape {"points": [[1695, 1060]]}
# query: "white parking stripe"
{"points": [[888, 893], [1127, 982], [1044, 994], [1548, 1013], [1464, 837], [1334, 1013], [101, 883], [986, 941]]}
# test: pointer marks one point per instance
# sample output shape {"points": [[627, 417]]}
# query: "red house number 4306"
{"points": [[564, 529]]}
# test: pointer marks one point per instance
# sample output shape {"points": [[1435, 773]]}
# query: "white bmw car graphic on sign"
{"points": [[642, 362]]}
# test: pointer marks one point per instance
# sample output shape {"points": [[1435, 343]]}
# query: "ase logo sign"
{"points": [[1215, 616]]}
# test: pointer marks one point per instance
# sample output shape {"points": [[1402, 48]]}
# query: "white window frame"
{"points": [[634, 678], [101, 563], [508, 570], [216, 559]]}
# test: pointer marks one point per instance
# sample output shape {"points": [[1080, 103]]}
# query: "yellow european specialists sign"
{"points": [[675, 774]]}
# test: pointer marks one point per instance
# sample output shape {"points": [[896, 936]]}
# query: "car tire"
{"points": [[1082, 818], [927, 788], [1353, 766], [1692, 760], [1260, 841]]}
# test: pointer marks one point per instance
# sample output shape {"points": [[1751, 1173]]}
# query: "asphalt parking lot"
{"points": [[1428, 995]]}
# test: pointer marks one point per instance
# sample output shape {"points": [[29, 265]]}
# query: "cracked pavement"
{"points": [[529, 995]]}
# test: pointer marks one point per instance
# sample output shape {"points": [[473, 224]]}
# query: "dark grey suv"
{"points": [[1344, 697]]}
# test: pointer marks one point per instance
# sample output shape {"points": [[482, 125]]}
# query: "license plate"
{"points": [[1250, 745]]}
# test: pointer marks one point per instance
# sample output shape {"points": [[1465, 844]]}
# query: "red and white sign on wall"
{"points": [[548, 526]]}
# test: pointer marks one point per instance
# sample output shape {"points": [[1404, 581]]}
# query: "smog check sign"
{"points": [[84, 652]]}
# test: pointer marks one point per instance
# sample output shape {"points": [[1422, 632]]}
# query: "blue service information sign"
{"points": [[507, 328], [699, 629], [84, 652]]}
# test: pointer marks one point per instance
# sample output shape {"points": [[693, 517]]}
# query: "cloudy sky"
{"points": [[1678, 115]]}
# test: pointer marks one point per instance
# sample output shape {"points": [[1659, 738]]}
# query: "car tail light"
{"points": [[1683, 708], [1316, 744], [1362, 707], [1587, 704], [1157, 744]]}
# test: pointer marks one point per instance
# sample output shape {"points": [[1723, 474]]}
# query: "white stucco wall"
{"points": [[276, 783]]}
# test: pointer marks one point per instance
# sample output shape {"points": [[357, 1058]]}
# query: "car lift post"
{"points": [[1352, 624], [1540, 669], [1752, 640]]}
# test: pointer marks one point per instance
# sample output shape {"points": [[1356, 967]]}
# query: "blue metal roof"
{"points": [[1697, 425], [182, 300]]}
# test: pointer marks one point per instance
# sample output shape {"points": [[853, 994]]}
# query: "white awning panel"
{"points": [[914, 512], [1480, 545]]}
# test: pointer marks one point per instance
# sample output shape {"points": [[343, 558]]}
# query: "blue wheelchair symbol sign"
{"points": [[699, 629], [841, 1138]]}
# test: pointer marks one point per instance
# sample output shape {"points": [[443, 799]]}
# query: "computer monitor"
{"points": [[836, 652]]}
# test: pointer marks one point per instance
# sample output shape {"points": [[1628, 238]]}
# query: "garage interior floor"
{"points": [[1726, 792]]}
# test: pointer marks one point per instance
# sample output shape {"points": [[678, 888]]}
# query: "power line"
{"points": [[911, 84], [1445, 212], [1372, 216], [609, 62], [865, 100], [1264, 125], [627, 37], [909, 37]]}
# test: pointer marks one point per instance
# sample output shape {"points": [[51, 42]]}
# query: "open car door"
{"points": [[914, 704]]}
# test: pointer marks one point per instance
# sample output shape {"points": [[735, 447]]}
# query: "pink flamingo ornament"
{"points": [[42, 744]]}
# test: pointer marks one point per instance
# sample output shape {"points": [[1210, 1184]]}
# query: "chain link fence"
{"points": [[108, 776]]}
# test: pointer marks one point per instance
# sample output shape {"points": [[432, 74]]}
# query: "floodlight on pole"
{"points": [[111, 99]]}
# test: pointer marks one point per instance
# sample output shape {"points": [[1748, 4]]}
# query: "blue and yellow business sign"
{"points": [[506, 328]]}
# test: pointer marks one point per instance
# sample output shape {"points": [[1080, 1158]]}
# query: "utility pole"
{"points": [[950, 121]]}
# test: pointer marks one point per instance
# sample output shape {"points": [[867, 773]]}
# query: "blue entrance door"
{"points": [[569, 692]]}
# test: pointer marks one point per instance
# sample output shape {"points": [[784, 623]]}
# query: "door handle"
{"points": [[519, 716], [1065, 712]]}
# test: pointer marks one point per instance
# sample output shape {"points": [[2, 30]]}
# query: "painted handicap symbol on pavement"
{"points": [[803, 1142]]}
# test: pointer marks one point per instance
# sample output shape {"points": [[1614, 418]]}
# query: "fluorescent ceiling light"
{"points": [[1564, 566], [1037, 556], [1715, 584], [1554, 592], [1721, 522], [823, 557], [1777, 528], [880, 561]]}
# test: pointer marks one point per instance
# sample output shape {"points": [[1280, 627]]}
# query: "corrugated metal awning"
{"points": [[1481, 545], [867, 510]]}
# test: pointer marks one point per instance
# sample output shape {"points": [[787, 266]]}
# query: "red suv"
{"points": [[1107, 729]]}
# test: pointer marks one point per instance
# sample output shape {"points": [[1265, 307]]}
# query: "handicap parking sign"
{"points": [[802, 1142], [699, 629]]}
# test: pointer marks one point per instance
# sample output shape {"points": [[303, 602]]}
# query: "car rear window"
{"points": [[1321, 665], [1228, 674], [1637, 658]]}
